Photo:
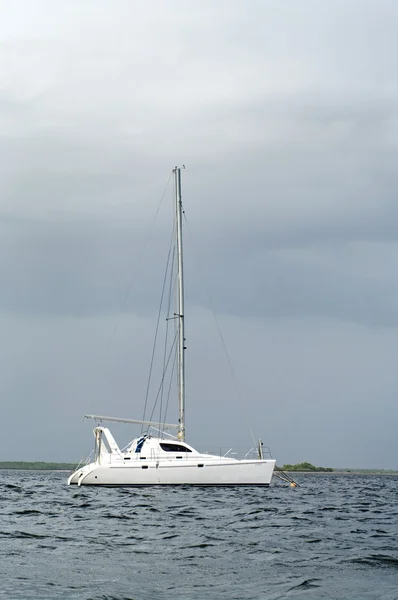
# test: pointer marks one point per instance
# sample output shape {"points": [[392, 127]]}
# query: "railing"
{"points": [[239, 452], [83, 462]]}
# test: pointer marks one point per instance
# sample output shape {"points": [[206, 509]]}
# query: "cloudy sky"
{"points": [[285, 114]]}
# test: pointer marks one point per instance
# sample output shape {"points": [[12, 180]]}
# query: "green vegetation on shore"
{"points": [[306, 466], [38, 466]]}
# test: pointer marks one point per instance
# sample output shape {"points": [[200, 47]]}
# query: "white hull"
{"points": [[155, 461], [233, 472]]}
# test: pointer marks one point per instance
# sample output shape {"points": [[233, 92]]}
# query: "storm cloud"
{"points": [[285, 115]]}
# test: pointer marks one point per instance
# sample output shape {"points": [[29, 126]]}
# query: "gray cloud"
{"points": [[285, 115]]}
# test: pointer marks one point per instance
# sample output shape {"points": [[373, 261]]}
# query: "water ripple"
{"points": [[332, 538]]}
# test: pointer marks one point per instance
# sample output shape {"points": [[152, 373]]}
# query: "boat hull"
{"points": [[234, 473]]}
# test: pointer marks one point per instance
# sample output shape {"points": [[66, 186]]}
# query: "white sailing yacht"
{"points": [[163, 459]]}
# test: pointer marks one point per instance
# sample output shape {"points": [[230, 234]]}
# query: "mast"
{"points": [[180, 309]]}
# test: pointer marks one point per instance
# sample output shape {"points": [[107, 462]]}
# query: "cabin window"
{"points": [[174, 447]]}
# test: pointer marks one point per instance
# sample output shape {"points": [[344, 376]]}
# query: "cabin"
{"points": [[145, 447]]}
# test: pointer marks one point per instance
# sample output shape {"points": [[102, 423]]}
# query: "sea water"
{"points": [[333, 537]]}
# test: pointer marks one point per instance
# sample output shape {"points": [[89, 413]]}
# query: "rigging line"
{"points": [[157, 330], [144, 246], [164, 374], [176, 330], [234, 378], [173, 285], [170, 384], [167, 328]]}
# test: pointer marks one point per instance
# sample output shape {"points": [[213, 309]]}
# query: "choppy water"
{"points": [[334, 537]]}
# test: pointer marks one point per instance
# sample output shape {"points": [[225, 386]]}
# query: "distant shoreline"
{"points": [[36, 466]]}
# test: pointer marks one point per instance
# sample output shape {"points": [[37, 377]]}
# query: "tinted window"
{"points": [[174, 448]]}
